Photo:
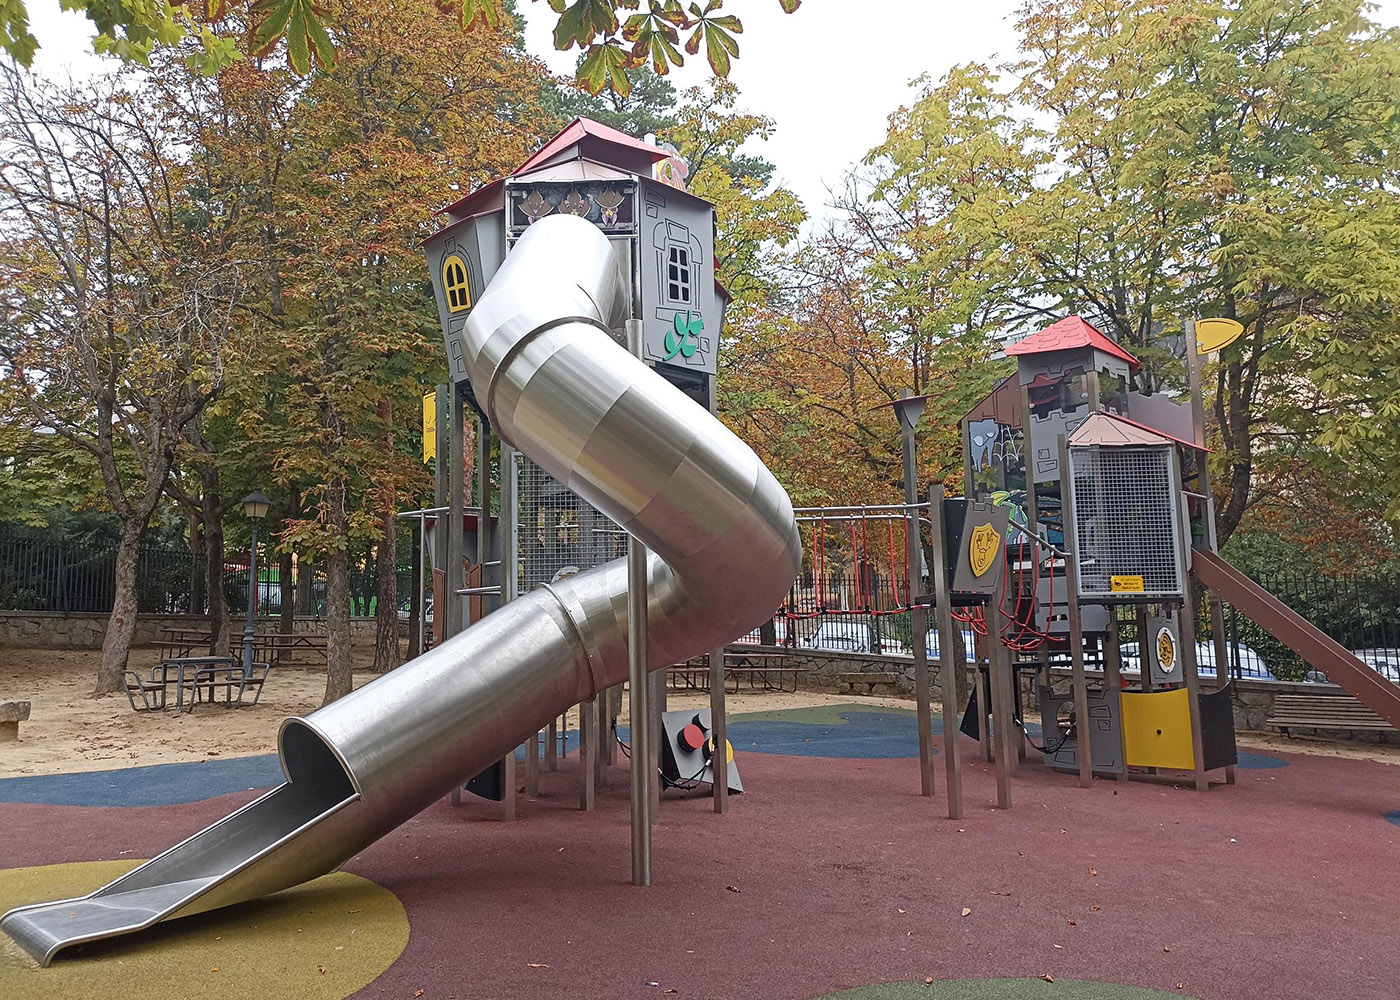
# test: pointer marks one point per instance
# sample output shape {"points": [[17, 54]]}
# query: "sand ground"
{"points": [[69, 731]]}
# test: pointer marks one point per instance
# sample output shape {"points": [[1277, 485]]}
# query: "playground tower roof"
{"points": [[1070, 334]]}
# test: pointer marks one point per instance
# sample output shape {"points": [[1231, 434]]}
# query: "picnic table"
{"points": [[763, 670], [268, 647], [201, 676]]}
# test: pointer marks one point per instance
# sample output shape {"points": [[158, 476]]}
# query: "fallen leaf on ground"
{"points": [[733, 888], [1048, 979], [897, 908], [1165, 948], [536, 965], [928, 980], [966, 911], [1058, 947], [1093, 871]]}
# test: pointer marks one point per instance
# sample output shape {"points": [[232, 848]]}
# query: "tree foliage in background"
{"points": [[330, 183], [117, 304], [614, 36]]}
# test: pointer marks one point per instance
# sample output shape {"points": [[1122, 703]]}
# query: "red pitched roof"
{"points": [[581, 128], [1069, 334], [485, 198]]}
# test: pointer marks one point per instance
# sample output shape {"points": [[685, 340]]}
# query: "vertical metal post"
{"points": [[587, 749], [656, 735], [1188, 645], [456, 609], [1113, 666], [998, 671], [950, 648], [1083, 750], [422, 622], [551, 746], [604, 739], [252, 599], [1198, 424], [643, 774], [908, 412], [614, 703], [719, 766]]}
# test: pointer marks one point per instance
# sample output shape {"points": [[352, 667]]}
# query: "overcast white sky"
{"points": [[829, 83]]}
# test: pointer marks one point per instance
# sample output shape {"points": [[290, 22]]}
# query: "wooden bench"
{"points": [[12, 713], [1323, 711], [851, 681]]}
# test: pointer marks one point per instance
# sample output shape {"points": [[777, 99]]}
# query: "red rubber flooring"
{"points": [[833, 873]]}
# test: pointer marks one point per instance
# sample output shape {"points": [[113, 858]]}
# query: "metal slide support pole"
{"points": [[950, 646], [1198, 425], [1188, 642], [918, 617], [456, 504], [998, 667], [719, 772], [603, 734], [551, 746], [643, 773], [1113, 666], [656, 736], [484, 557], [1083, 750], [587, 750], [453, 577]]}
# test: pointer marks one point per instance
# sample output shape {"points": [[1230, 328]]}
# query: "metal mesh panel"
{"points": [[558, 533], [1125, 520]]}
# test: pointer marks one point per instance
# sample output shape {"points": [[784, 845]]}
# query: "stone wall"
{"points": [[55, 630], [1253, 699]]}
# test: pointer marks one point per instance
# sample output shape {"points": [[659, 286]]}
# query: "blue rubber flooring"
{"points": [[1260, 762], [153, 785]]}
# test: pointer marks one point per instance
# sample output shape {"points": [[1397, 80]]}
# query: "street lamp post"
{"points": [[255, 507]]}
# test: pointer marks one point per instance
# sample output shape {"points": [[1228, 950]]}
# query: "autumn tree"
{"points": [[333, 180], [115, 309]]}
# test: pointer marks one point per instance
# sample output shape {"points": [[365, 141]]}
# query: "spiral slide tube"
{"points": [[555, 385]]}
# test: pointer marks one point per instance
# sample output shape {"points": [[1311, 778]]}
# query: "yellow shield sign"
{"points": [[982, 548]]}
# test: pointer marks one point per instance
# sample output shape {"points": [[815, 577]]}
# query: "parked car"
{"points": [[1385, 662], [1252, 665], [848, 637], [969, 645]]}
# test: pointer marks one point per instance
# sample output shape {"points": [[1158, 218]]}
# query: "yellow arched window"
{"points": [[454, 284]]}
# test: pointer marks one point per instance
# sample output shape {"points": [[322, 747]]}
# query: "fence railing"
{"points": [[41, 573]]}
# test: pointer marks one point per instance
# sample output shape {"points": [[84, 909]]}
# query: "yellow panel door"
{"points": [[1157, 729]]}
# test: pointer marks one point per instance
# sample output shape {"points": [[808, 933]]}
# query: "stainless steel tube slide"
{"points": [[555, 385]]}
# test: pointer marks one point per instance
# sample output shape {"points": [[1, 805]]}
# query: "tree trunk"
{"points": [[287, 621], [220, 628], [386, 607], [199, 566], [339, 675], [386, 610], [121, 626], [305, 598]]}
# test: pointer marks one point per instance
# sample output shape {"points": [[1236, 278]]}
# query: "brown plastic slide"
{"points": [[1290, 628]]}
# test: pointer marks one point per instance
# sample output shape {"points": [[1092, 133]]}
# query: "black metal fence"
{"points": [[42, 573], [1361, 612]]}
